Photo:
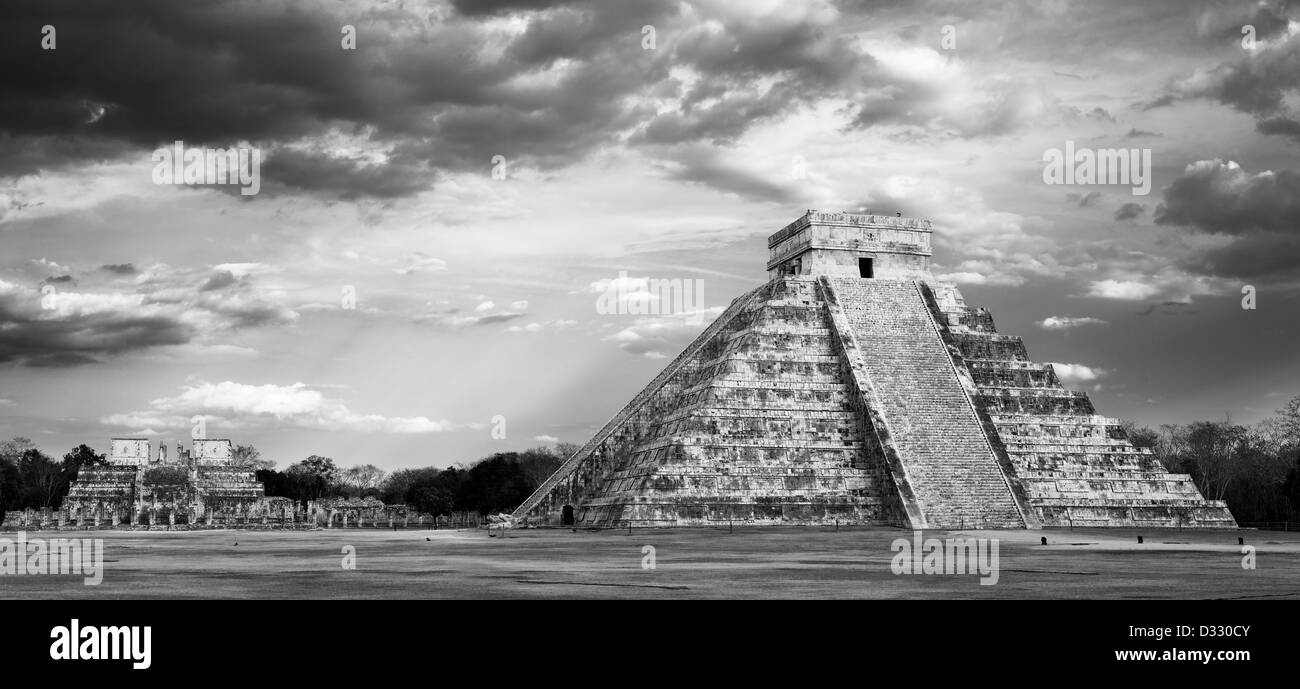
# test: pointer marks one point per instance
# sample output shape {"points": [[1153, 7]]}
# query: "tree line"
{"points": [[1256, 469], [30, 478], [497, 483]]}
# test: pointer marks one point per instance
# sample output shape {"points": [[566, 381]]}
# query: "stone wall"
{"points": [[264, 513]]}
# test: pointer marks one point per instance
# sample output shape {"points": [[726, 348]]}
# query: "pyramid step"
{"points": [[944, 454]]}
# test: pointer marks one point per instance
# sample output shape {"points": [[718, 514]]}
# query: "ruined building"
{"points": [[140, 488], [197, 489], [854, 387]]}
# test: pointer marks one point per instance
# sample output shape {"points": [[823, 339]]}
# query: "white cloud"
{"points": [[652, 336], [546, 439], [485, 307], [1129, 290], [971, 278], [1068, 322], [1073, 374], [239, 405]]}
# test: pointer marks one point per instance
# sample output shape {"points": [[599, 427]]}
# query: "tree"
{"points": [[1212, 448], [14, 448], [496, 484], [11, 486], [428, 490], [80, 456], [362, 480], [1289, 423], [42, 479], [539, 463], [250, 457], [276, 483], [1141, 436], [312, 478]]}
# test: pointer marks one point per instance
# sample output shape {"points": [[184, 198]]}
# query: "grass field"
{"points": [[752, 562]]}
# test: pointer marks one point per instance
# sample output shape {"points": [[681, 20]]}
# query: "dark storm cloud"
{"points": [[1129, 211], [219, 280], [1280, 126], [1261, 210], [1269, 255], [219, 73], [441, 93], [722, 121], [65, 327], [1224, 23], [56, 279], [705, 165], [476, 8], [1219, 197], [33, 338], [119, 269], [498, 318], [347, 178], [1259, 84], [1083, 200]]}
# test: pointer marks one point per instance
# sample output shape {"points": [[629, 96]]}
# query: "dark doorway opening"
{"points": [[864, 268], [566, 515]]}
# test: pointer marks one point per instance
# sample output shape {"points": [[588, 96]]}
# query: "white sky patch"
{"points": [[546, 439], [419, 262], [653, 336], [357, 146], [240, 405], [240, 270], [536, 327]]}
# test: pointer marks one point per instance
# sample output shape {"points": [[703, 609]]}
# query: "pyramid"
{"points": [[854, 388]]}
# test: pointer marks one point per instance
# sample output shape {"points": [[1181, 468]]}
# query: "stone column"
{"points": [[330, 525]]}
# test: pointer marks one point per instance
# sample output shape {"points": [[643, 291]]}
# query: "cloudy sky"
{"points": [[473, 174]]}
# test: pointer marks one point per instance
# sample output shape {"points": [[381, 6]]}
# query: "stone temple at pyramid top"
{"points": [[851, 245]]}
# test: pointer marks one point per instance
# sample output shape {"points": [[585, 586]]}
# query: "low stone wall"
{"points": [[267, 513]]}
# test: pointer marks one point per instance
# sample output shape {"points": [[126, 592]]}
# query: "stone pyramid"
{"points": [[853, 387]]}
